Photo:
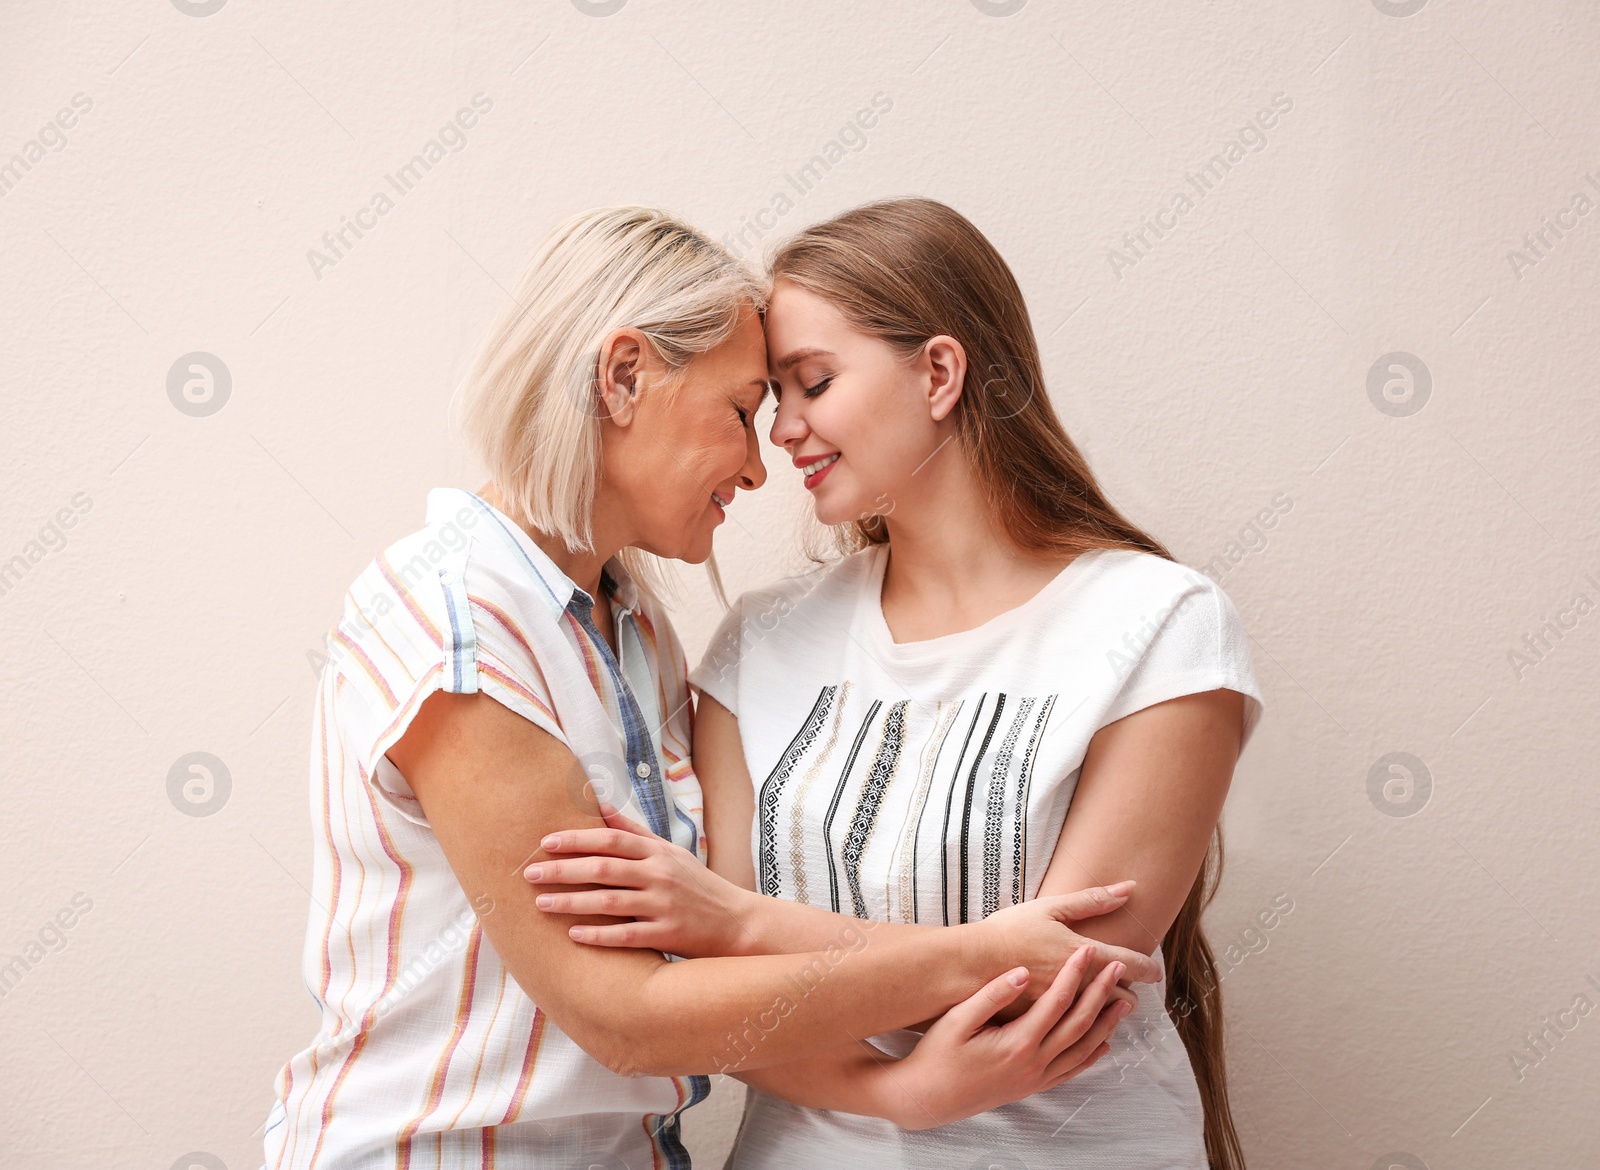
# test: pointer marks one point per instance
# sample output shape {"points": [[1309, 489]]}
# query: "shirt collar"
{"points": [[625, 592], [455, 506]]}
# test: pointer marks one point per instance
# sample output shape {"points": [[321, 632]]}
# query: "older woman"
{"points": [[498, 667]]}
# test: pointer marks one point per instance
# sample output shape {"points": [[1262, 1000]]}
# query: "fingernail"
{"points": [[544, 901], [1018, 978], [1117, 971], [576, 934], [550, 842], [533, 873], [607, 809], [1123, 1009], [1117, 889]]}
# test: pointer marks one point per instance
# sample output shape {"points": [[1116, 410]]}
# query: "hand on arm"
{"points": [[966, 1064], [666, 900]]}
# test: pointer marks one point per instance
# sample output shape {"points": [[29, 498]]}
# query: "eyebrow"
{"points": [[763, 384], [801, 355]]}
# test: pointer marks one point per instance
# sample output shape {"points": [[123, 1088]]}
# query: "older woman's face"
{"points": [[693, 446]]}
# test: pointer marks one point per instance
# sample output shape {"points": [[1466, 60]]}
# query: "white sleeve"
{"points": [[718, 672], [1199, 644]]}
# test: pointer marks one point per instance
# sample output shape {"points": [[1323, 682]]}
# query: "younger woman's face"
{"points": [[853, 415]]}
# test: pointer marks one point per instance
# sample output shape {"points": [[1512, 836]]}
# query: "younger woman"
{"points": [[1004, 690]]}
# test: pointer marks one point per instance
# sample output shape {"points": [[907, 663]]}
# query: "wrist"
{"points": [[750, 913], [981, 956], [900, 1097], [884, 1091]]}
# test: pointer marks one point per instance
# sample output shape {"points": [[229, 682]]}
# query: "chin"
{"points": [[831, 512], [694, 549]]}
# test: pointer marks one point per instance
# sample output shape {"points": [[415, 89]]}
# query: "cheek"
{"points": [[691, 472], [679, 459], [881, 437]]}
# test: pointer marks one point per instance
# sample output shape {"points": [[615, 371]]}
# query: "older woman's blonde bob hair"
{"points": [[529, 406]]}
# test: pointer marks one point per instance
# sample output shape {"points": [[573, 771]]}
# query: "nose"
{"points": [[754, 473], [788, 422]]}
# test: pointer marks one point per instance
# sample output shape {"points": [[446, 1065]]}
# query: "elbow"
{"points": [[623, 1055], [632, 1056], [628, 1051], [629, 1036]]}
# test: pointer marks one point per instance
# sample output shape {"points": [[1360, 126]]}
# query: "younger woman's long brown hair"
{"points": [[906, 270]]}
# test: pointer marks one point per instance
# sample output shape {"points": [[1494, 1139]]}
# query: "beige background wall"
{"points": [[1226, 369]]}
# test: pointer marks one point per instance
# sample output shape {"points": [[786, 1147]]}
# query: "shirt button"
{"points": [[641, 769]]}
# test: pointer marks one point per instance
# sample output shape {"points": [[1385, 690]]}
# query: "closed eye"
{"points": [[813, 391]]}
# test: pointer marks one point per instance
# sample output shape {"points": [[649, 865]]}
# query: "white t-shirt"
{"points": [[928, 782]]}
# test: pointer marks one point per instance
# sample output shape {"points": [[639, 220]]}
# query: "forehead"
{"points": [[735, 366], [798, 319], [743, 349]]}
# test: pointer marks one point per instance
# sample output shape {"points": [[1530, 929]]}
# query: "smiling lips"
{"points": [[815, 467]]}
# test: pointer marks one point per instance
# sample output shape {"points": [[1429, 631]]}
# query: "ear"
{"points": [[945, 362], [622, 356]]}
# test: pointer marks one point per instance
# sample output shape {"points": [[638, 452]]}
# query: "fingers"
{"points": [[1080, 1068], [1092, 1020], [632, 935], [613, 842], [1035, 1023], [1080, 1055], [613, 817], [973, 1012], [580, 871], [1119, 993], [1090, 903], [1141, 968], [1078, 1024], [617, 903]]}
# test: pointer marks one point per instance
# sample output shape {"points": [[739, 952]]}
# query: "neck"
{"points": [[948, 548], [581, 567]]}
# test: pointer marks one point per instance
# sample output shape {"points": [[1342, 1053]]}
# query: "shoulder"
{"points": [[822, 590], [390, 629], [449, 607], [1145, 573], [428, 607], [1167, 630], [764, 625], [1145, 590]]}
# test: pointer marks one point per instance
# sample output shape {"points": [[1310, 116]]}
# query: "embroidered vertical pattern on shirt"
{"points": [[885, 761], [772, 789], [837, 794], [797, 821]]}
